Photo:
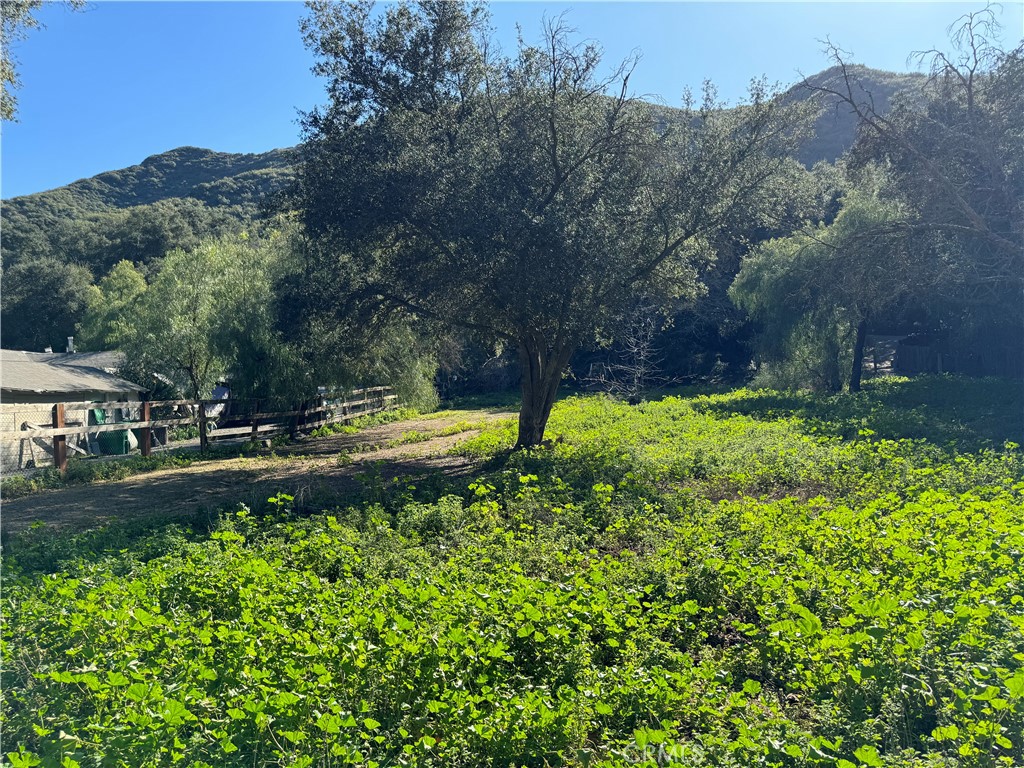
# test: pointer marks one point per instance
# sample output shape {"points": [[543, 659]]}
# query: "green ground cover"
{"points": [[740, 579]]}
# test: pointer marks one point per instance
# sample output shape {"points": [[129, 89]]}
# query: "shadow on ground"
{"points": [[974, 413]]}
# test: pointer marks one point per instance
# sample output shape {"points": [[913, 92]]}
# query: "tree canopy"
{"points": [[17, 17], [953, 151], [109, 308], [43, 300], [814, 292], [531, 198], [951, 231], [175, 325]]}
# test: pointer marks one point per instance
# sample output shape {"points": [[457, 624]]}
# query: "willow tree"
{"points": [[815, 292], [531, 199], [209, 314], [109, 307]]}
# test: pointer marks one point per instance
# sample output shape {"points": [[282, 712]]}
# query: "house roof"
{"points": [[110, 361], [52, 372]]}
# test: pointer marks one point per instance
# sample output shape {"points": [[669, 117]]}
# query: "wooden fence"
{"points": [[242, 418]]}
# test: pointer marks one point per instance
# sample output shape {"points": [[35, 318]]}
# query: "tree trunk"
{"points": [[197, 391], [858, 356], [831, 374], [540, 375]]}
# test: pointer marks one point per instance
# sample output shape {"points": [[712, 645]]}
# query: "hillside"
{"points": [[176, 198], [836, 127], [171, 199], [215, 178]]}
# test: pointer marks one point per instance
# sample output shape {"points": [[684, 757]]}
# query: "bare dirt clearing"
{"points": [[309, 470]]}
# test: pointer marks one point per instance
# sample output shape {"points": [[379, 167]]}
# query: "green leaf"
{"points": [[868, 755], [808, 623], [284, 699], [175, 713], [329, 723], [1015, 685], [137, 692], [23, 759]]}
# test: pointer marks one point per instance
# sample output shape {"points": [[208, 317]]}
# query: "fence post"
{"points": [[254, 408], [202, 427], [60, 442], [146, 433]]}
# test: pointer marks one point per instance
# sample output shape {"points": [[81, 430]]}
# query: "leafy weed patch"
{"points": [[666, 584]]}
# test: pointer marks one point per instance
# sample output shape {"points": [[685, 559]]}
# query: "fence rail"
{"points": [[239, 417]]}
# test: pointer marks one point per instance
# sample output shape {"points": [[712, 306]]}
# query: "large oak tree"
{"points": [[531, 199]]}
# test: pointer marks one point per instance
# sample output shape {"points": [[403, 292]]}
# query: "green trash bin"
{"points": [[114, 443]]}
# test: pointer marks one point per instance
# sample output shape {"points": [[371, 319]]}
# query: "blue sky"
{"points": [[106, 87]]}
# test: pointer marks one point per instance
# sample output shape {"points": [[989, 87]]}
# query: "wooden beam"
{"points": [[145, 433], [60, 442], [203, 439], [50, 432]]}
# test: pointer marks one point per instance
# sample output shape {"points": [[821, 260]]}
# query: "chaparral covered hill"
{"points": [[174, 199], [170, 200]]}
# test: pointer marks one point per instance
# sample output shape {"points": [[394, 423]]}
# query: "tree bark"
{"points": [[831, 374], [540, 376], [197, 392], [858, 356]]}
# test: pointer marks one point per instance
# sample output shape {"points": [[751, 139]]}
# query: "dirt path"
{"points": [[310, 470]]}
